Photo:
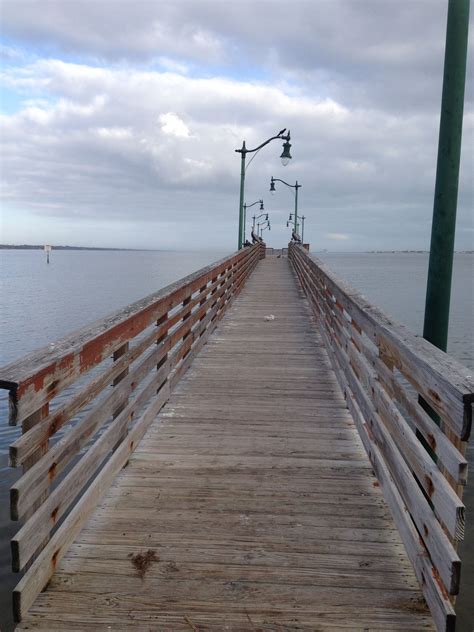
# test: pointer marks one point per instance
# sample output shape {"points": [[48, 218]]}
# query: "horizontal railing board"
{"points": [[30, 536], [449, 455], [452, 459], [378, 363], [26, 541], [372, 384], [44, 566], [441, 549], [430, 370], [436, 597], [30, 486], [159, 359], [434, 592], [28, 442], [448, 506], [40, 376]]}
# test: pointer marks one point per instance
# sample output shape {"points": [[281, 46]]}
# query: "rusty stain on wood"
{"points": [[142, 561]]}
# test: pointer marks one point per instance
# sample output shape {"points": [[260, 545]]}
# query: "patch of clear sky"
{"points": [[12, 98]]}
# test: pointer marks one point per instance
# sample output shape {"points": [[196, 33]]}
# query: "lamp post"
{"points": [[263, 226], [295, 186], [258, 217], [294, 234], [438, 292], [246, 206], [302, 228], [440, 267], [285, 158]]}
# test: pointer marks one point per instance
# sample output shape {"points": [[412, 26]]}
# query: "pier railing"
{"points": [[86, 401], [388, 376]]}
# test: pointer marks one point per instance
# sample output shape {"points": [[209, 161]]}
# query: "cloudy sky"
{"points": [[120, 119]]}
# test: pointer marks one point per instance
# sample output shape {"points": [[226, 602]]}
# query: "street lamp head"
{"points": [[286, 156], [272, 185], [267, 217], [261, 205]]}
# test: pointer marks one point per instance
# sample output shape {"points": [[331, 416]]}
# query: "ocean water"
{"points": [[41, 303]]}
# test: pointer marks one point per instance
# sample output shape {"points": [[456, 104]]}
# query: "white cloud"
{"points": [[102, 133], [174, 126]]}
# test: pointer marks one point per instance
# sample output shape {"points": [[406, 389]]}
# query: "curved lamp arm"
{"points": [[257, 202], [280, 136], [292, 186]]}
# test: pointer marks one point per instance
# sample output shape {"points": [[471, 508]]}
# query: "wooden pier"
{"points": [[264, 476]]}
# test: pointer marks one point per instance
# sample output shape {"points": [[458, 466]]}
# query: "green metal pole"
{"points": [[296, 208], [302, 229], [245, 222], [438, 292], [241, 203]]}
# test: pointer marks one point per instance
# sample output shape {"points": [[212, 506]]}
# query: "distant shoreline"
{"points": [[37, 247], [413, 252]]}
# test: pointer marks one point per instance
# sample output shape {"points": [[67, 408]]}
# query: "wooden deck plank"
{"points": [[253, 491]]}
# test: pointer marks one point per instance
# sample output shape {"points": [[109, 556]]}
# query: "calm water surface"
{"points": [[41, 303]]}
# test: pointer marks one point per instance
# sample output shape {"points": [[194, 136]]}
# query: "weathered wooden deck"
{"points": [[250, 498]]}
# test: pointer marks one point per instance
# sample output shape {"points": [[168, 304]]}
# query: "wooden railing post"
{"points": [[159, 340], [26, 425], [186, 301], [202, 290], [118, 353], [30, 422], [214, 303]]}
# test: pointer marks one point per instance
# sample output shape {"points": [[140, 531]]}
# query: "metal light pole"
{"points": [[258, 217], [265, 228], [259, 224], [438, 292], [246, 206], [285, 158], [302, 228], [295, 186]]}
